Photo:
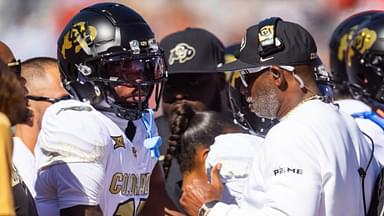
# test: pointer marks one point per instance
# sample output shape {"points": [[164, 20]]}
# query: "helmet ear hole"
{"points": [[85, 70], [87, 92]]}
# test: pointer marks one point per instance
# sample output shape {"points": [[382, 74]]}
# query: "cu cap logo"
{"points": [[363, 42], [266, 35], [78, 38], [182, 53]]}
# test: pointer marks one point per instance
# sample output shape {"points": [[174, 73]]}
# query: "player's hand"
{"points": [[199, 192]]}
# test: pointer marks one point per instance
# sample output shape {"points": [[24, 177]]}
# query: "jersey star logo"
{"points": [[119, 142]]}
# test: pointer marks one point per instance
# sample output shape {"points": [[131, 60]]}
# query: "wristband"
{"points": [[206, 208]]}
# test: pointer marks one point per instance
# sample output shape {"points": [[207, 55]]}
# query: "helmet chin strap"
{"points": [[127, 113]]}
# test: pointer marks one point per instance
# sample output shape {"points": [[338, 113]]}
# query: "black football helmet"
{"points": [[242, 116], [338, 44], [108, 45], [365, 61]]}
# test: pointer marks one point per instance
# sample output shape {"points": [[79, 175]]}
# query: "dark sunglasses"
{"points": [[15, 66], [247, 76], [48, 99]]}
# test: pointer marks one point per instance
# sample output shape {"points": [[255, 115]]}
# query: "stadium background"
{"points": [[31, 27]]}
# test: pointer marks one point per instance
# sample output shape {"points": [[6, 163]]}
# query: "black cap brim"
{"points": [[235, 65]]}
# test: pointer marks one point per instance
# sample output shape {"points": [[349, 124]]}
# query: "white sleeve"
{"points": [[280, 176], [72, 133]]}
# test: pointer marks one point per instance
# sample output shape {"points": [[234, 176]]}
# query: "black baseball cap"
{"points": [[274, 42], [193, 50]]}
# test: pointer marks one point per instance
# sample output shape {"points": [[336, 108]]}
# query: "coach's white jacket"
{"points": [[308, 166]]}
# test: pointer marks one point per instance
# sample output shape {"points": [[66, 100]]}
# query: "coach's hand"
{"points": [[199, 192]]}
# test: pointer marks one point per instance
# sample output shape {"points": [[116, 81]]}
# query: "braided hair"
{"points": [[189, 130]]}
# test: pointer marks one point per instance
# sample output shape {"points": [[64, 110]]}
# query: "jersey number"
{"points": [[127, 208]]}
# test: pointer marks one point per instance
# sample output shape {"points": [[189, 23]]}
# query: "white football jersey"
{"points": [[73, 132], [128, 177]]}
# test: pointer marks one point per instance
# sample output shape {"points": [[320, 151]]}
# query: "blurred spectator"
{"points": [[19, 114], [10, 95], [44, 87]]}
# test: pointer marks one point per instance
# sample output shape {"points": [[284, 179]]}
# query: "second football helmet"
{"points": [[365, 61], [338, 45]]}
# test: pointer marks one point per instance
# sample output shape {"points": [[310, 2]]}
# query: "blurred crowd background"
{"points": [[31, 27]]}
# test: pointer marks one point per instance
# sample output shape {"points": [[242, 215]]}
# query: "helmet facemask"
{"points": [[141, 73], [366, 76]]}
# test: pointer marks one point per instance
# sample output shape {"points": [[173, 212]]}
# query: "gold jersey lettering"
{"points": [[115, 186], [125, 190], [133, 185], [130, 184]]}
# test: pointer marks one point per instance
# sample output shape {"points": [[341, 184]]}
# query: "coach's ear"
{"points": [[204, 154], [279, 78]]}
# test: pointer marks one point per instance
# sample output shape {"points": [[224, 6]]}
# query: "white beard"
{"points": [[265, 103]]}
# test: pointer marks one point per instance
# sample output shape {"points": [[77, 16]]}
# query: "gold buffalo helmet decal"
{"points": [[343, 43], [182, 52], [78, 38], [343, 46], [363, 41]]}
